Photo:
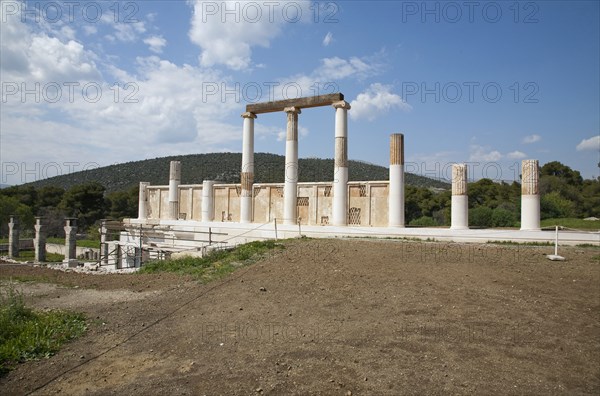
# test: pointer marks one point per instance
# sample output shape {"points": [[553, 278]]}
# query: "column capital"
{"points": [[292, 109], [342, 104], [248, 114]]}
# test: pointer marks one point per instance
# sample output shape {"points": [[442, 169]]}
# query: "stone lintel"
{"points": [[300, 103]]}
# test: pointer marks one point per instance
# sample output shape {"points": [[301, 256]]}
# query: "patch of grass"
{"points": [[578, 224], [26, 334], [214, 265], [29, 255], [588, 245], [513, 243], [87, 243]]}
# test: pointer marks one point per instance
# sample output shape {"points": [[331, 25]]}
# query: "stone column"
{"points": [[103, 241], [290, 188], [70, 239], [459, 216], [340, 167], [40, 240], [143, 201], [530, 195], [13, 236], [247, 175], [396, 189], [174, 180], [208, 205]]}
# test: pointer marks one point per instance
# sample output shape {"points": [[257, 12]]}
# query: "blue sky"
{"points": [[88, 83]]}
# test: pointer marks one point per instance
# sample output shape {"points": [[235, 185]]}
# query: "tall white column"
{"points": [[208, 206], [174, 181], [143, 201], [396, 188], [13, 236], [70, 239], [459, 217], [530, 195], [247, 175], [340, 166], [290, 188], [40, 240]]}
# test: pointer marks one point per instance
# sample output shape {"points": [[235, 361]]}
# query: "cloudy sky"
{"points": [[87, 83]]}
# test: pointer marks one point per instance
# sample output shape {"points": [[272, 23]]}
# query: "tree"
{"points": [[562, 171], [86, 202], [123, 204], [553, 205], [11, 206], [49, 196]]}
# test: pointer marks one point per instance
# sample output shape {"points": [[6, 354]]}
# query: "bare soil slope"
{"points": [[332, 317]]}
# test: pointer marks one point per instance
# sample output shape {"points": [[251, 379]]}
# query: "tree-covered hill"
{"points": [[222, 167]]}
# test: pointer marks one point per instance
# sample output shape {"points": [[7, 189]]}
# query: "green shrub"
{"points": [[423, 221], [503, 218], [481, 216]]}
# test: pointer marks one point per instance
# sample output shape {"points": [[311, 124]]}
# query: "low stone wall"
{"points": [[24, 244], [81, 252]]}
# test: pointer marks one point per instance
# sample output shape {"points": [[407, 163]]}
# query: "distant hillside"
{"points": [[223, 167]]}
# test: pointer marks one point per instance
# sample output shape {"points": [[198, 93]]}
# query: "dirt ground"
{"points": [[331, 317]]}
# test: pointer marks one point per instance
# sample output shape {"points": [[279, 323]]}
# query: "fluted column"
{"points": [[290, 188], [530, 195], [460, 200], [174, 181], [13, 236], [247, 175], [40, 240], [340, 167], [396, 188], [143, 201], [208, 208]]}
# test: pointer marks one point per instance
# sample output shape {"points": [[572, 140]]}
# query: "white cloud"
{"points": [[485, 154], [325, 78], [156, 43], [592, 143], [516, 155], [227, 31], [375, 101], [38, 57], [328, 39], [531, 139], [89, 30]]}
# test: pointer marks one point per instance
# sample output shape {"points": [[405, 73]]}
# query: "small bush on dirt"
{"points": [[26, 334], [214, 265]]}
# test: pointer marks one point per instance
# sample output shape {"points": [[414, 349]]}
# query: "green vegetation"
{"points": [[29, 255], [26, 334], [520, 243], [214, 265], [578, 224], [423, 221]]}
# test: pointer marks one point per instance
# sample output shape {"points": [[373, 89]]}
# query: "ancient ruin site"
{"points": [[299, 198]]}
